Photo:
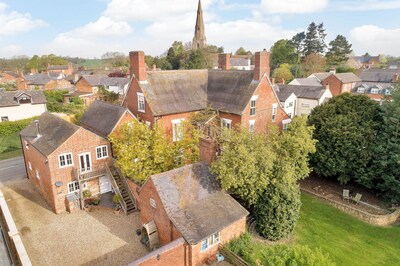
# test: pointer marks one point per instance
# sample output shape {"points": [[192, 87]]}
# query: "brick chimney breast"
{"points": [[261, 65], [137, 65], [224, 61]]}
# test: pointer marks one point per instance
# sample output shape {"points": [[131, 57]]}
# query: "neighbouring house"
{"points": [[186, 215], [241, 63], [311, 81], [368, 61], [377, 83], [241, 97], [8, 77], [62, 159], [338, 82], [104, 118], [65, 69], [380, 75], [42, 82], [301, 100], [16, 105]]}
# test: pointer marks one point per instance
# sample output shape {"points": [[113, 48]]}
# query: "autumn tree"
{"points": [[282, 73], [313, 63], [241, 51], [339, 51]]}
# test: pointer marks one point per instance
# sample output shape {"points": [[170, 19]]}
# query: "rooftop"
{"points": [[10, 98]]}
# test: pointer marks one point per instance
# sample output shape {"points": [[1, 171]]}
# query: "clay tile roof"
{"points": [[9, 98], [170, 92], [54, 131], [308, 92], [195, 203], [102, 117]]}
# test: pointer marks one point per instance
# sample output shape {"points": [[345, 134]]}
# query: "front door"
{"points": [[105, 184], [85, 162]]}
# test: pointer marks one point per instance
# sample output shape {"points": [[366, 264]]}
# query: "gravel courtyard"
{"points": [[80, 238]]}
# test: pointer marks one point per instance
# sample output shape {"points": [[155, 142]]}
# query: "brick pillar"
{"points": [[224, 61], [137, 65], [208, 149], [261, 65]]}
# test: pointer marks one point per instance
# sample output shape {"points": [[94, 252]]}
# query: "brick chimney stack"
{"points": [[137, 65], [395, 77], [224, 61], [208, 150], [261, 65]]}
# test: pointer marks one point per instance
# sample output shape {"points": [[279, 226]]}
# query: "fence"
{"points": [[232, 257]]}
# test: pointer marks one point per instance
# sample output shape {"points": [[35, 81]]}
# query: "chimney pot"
{"points": [[137, 65]]}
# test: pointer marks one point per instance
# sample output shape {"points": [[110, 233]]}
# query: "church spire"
{"points": [[199, 39]]}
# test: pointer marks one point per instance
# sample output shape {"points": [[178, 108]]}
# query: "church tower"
{"points": [[199, 39]]}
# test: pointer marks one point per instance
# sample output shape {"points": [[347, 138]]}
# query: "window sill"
{"points": [[100, 158], [215, 244], [65, 166], [142, 111]]}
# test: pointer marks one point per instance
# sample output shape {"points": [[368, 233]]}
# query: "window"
{"points": [[387, 92], [289, 115], [177, 129], [74, 186], [274, 108], [253, 105], [37, 174], [285, 124], [65, 160], [153, 203], [148, 123], [374, 91], [30, 165], [290, 104], [101, 152], [251, 126], [209, 241], [360, 89], [226, 123], [4, 118], [26, 145], [141, 106]]}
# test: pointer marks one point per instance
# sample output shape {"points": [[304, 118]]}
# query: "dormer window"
{"points": [[374, 91], [360, 89]]}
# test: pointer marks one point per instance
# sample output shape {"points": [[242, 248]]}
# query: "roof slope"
{"points": [[170, 92], [308, 92], [347, 77], [321, 76], [9, 98], [39, 79], [102, 79], [312, 81], [54, 131], [379, 75], [195, 203], [102, 117]]}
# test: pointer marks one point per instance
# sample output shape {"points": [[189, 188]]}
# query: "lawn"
{"points": [[348, 240], [10, 146]]}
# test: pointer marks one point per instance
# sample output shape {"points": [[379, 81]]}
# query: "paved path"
{"points": [[12, 170]]}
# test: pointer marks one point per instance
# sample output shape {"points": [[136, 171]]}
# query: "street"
{"points": [[12, 170]]}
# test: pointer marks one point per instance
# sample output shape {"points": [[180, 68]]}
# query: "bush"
{"points": [[11, 127], [86, 194], [243, 247], [116, 198], [277, 211], [299, 255]]}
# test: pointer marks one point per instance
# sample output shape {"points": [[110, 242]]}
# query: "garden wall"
{"points": [[374, 219]]}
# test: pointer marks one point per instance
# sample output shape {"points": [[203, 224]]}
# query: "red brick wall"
{"points": [[83, 86], [132, 103], [335, 85], [208, 149], [125, 118], [166, 230], [166, 122], [228, 233]]}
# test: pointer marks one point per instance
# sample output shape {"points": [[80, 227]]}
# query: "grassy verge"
{"points": [[10, 154], [10, 146]]}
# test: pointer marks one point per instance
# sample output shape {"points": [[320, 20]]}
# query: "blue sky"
{"points": [[90, 28]]}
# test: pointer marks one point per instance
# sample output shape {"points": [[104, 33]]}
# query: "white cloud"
{"points": [[13, 22], [370, 5], [10, 50], [375, 40], [293, 6]]}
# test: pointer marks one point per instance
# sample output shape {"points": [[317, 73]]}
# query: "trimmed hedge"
{"points": [[11, 127]]}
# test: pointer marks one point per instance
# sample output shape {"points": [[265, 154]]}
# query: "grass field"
{"points": [[347, 240], [10, 146]]}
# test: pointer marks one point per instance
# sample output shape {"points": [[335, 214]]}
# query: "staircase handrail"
{"points": [[116, 189]]}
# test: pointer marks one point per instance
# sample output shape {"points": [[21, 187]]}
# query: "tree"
{"points": [[314, 42], [282, 73], [298, 43], [242, 51], [339, 51], [345, 128], [282, 52], [197, 60], [387, 154], [176, 55], [313, 63], [116, 59]]}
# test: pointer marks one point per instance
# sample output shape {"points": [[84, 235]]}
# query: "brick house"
{"points": [[41, 82], [104, 118], [341, 83], [8, 77], [16, 105], [191, 214], [168, 97], [65, 69], [59, 155]]}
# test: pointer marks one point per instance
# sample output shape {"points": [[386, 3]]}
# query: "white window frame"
{"points": [[360, 89], [65, 160], [210, 241], [37, 174], [141, 102], [177, 136], [103, 149], [5, 119], [285, 124], [90, 163], [253, 108], [26, 144], [374, 90], [274, 111], [75, 186], [29, 165], [226, 123], [251, 126], [148, 123], [153, 203]]}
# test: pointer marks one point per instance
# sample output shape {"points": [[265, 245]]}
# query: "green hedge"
{"points": [[11, 127]]}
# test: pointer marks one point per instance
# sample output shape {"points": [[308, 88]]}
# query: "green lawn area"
{"points": [[10, 146], [348, 240]]}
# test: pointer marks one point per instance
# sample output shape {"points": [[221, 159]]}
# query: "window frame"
{"points": [[141, 102], [37, 173], [5, 118], [251, 125], [177, 136], [360, 90], [102, 150], [374, 91], [65, 160], [210, 241], [226, 123], [75, 185], [253, 110], [29, 165], [274, 112]]}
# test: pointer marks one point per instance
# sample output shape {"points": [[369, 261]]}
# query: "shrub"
{"points": [[243, 247], [277, 211], [86, 194], [116, 198], [11, 127]]}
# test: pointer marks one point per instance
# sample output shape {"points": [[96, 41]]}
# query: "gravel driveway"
{"points": [[80, 238]]}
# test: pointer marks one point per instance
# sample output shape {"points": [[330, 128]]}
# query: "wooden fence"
{"points": [[231, 257]]}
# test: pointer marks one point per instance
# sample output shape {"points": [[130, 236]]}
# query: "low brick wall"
{"points": [[12, 237], [374, 219]]}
